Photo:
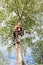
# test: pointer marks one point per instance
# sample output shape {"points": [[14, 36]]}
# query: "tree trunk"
{"points": [[18, 54]]}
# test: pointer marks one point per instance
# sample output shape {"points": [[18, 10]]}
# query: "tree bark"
{"points": [[18, 54]]}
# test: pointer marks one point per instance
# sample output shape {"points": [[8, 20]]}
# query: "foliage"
{"points": [[30, 14], [2, 59]]}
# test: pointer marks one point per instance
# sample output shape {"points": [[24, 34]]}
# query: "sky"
{"points": [[27, 58], [12, 57]]}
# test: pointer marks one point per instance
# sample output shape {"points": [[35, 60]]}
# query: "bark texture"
{"points": [[18, 54]]}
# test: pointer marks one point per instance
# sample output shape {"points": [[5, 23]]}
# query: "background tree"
{"points": [[30, 14]]}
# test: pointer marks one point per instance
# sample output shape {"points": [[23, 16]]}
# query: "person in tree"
{"points": [[17, 32]]}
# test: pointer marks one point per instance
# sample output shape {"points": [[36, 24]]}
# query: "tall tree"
{"points": [[26, 12]]}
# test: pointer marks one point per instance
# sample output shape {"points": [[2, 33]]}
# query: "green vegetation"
{"points": [[30, 14]]}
